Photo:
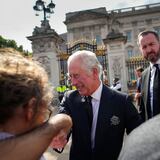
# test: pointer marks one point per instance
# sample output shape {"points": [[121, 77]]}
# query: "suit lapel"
{"points": [[105, 102], [146, 85], [80, 109]]}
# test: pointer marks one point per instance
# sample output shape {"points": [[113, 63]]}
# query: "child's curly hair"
{"points": [[20, 80]]}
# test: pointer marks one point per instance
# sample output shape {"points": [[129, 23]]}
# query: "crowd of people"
{"points": [[94, 116]]}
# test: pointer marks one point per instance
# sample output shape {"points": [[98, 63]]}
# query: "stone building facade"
{"points": [[116, 31], [112, 35], [45, 45]]}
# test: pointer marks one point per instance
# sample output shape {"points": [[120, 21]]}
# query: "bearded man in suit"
{"points": [[149, 45]]}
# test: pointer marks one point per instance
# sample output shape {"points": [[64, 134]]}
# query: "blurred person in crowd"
{"points": [[143, 143], [25, 109], [116, 84], [137, 97], [104, 77]]}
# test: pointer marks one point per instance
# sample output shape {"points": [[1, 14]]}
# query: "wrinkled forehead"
{"points": [[74, 62], [147, 38], [74, 67]]}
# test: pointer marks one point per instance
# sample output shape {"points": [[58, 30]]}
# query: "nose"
{"points": [[148, 49], [74, 81]]}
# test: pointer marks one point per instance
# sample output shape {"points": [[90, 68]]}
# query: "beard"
{"points": [[153, 56]]}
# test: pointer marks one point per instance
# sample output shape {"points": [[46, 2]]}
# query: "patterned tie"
{"points": [[156, 91], [89, 110]]}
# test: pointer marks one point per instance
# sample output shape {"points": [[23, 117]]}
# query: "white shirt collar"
{"points": [[151, 64], [97, 94]]}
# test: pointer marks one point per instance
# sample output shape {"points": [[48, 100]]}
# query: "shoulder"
{"points": [[107, 91], [146, 71], [141, 145], [145, 74], [71, 93]]}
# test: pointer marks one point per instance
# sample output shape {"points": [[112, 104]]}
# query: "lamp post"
{"points": [[40, 6]]}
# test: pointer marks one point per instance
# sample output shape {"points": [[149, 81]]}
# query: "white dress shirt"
{"points": [[96, 96], [153, 70]]}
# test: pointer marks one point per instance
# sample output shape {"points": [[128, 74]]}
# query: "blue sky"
{"points": [[17, 17]]}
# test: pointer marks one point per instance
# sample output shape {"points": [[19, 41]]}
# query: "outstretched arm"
{"points": [[31, 145]]}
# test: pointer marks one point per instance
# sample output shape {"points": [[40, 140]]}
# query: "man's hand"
{"points": [[137, 95], [59, 141]]}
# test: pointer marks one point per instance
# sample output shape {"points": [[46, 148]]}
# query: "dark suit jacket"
{"points": [[116, 113], [145, 93], [145, 105]]}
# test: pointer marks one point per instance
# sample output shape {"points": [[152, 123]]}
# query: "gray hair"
{"points": [[88, 60]]}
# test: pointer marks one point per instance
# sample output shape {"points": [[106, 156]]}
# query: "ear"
{"points": [[30, 109], [95, 73]]}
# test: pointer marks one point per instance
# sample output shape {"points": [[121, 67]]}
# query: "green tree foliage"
{"points": [[3, 42], [20, 48], [12, 44]]}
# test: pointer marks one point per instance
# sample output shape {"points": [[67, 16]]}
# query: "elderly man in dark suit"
{"points": [[113, 112], [149, 45]]}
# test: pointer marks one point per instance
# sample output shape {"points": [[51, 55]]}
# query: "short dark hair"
{"points": [[146, 32], [140, 69]]}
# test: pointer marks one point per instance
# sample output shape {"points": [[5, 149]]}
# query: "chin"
{"points": [[82, 93], [152, 58]]}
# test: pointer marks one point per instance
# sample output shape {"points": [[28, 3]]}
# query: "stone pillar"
{"points": [[114, 43], [45, 45]]}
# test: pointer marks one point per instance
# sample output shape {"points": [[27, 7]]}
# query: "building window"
{"points": [[129, 36], [157, 29], [130, 52], [98, 39]]}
